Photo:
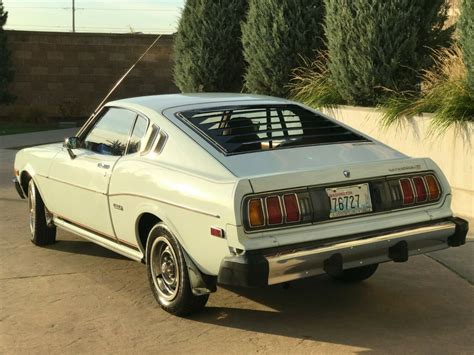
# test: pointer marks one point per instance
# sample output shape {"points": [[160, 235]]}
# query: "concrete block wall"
{"points": [[67, 74]]}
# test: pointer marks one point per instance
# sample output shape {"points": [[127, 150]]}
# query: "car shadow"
{"points": [[84, 248], [371, 314]]}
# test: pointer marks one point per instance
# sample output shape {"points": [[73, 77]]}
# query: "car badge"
{"points": [[347, 173]]}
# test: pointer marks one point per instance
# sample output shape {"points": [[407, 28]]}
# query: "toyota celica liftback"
{"points": [[244, 190]]}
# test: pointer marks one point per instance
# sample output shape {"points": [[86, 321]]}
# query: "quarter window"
{"points": [[110, 134], [137, 135], [151, 139]]}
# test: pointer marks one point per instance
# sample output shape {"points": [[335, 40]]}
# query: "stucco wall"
{"points": [[67, 74], [453, 151]]}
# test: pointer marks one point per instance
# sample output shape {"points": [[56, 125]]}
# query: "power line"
{"points": [[92, 8], [171, 3], [92, 28], [38, 7]]}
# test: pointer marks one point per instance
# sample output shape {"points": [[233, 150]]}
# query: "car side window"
{"points": [[110, 134], [138, 133]]}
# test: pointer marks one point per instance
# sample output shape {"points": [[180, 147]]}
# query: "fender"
{"points": [[154, 209]]}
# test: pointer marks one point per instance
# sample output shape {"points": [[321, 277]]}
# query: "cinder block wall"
{"points": [[65, 75]]}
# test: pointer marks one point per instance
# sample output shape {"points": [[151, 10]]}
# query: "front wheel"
{"points": [[356, 274], [168, 274], [42, 232]]}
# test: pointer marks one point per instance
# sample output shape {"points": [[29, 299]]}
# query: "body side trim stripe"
{"points": [[167, 203], [137, 195], [74, 185]]}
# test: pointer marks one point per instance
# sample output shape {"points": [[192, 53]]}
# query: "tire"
{"points": [[168, 274], [42, 232], [356, 274]]}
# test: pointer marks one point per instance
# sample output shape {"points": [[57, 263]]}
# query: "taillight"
{"points": [[274, 212], [407, 191], [433, 187], [292, 209], [278, 209], [420, 189], [255, 210]]}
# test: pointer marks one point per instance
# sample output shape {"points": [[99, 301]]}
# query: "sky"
{"points": [[117, 16]]}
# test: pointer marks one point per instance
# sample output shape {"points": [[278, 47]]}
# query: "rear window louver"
{"points": [[241, 129]]}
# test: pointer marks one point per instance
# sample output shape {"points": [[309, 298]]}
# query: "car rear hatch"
{"points": [[302, 164], [330, 182]]}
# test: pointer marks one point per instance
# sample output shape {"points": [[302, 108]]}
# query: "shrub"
{"points": [[207, 48], [276, 36], [466, 39], [6, 72], [312, 84], [381, 44], [445, 93]]}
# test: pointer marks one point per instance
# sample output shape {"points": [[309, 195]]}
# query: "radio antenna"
{"points": [[117, 84]]}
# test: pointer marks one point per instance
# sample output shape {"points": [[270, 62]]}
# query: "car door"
{"points": [[80, 185]]}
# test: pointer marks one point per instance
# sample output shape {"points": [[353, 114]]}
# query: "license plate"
{"points": [[349, 200]]}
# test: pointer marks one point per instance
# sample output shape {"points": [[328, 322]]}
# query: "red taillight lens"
{"points": [[274, 212], [292, 208], [420, 188], [407, 191], [433, 187], [256, 217]]}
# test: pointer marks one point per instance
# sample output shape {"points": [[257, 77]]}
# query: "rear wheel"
{"points": [[168, 274], [357, 274], [43, 232]]}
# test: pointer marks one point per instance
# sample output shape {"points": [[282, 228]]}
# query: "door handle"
{"points": [[103, 165]]}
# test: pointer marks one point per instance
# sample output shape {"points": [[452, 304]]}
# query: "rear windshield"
{"points": [[240, 129]]}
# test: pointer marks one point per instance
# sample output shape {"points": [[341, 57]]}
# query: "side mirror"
{"points": [[70, 144]]}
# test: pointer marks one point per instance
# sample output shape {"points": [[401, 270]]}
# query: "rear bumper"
{"points": [[18, 187], [277, 265]]}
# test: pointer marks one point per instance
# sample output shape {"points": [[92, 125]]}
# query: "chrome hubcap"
{"points": [[31, 206], [164, 268]]}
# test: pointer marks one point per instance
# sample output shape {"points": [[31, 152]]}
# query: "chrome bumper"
{"points": [[346, 255], [282, 264]]}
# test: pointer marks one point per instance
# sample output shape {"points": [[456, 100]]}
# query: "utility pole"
{"points": [[73, 16]]}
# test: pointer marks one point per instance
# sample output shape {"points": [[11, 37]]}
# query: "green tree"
{"points": [[207, 48], [466, 39], [276, 37], [6, 72], [380, 45]]}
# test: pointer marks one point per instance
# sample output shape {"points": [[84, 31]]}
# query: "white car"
{"points": [[246, 190]]}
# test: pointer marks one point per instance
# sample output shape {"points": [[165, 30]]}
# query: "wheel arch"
{"points": [[148, 215], [25, 178], [145, 222]]}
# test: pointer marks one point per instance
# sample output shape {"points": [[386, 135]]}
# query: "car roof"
{"points": [[159, 103]]}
